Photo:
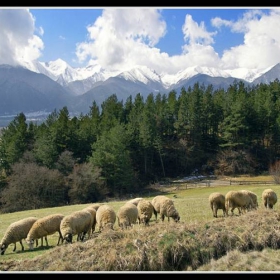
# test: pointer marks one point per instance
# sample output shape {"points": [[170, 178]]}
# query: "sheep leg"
{"points": [[15, 246], [38, 242], [82, 237], [46, 239], [215, 212], [60, 238], [22, 248], [155, 213]]}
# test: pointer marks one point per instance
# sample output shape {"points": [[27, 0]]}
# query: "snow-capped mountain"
{"points": [[45, 86], [80, 80], [74, 78]]}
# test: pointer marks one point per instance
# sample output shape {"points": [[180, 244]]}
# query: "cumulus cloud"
{"points": [[123, 38], [261, 46], [18, 42]]}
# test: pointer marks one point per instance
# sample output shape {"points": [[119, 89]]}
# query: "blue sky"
{"points": [[166, 39]]}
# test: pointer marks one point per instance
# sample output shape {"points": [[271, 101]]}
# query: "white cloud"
{"points": [[18, 42], [196, 34], [124, 37], [261, 46], [127, 37]]}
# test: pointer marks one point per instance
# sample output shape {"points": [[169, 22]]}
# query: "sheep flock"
{"points": [[95, 218]]}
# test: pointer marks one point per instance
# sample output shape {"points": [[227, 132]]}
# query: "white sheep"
{"points": [[77, 223], [269, 198], [135, 200], [127, 215], [105, 217], [217, 201], [16, 232], [254, 197], [43, 227], [165, 207], [92, 209], [145, 211], [239, 200], [96, 205]]}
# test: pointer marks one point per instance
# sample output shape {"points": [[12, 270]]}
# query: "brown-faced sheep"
{"points": [[165, 207], [269, 198], [217, 201], [145, 211], [77, 223], [105, 217], [16, 232], [135, 201], [127, 215], [239, 200], [43, 227]]}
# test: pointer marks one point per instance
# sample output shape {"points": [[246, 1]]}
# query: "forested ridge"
{"points": [[123, 146]]}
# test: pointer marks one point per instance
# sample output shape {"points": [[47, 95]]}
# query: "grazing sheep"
{"points": [[77, 223], [127, 215], [95, 206], [43, 227], [269, 198], [217, 201], [254, 199], [238, 199], [145, 211], [165, 207], [135, 200], [92, 209], [16, 232], [105, 217]]}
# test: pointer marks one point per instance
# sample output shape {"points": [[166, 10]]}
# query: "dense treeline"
{"points": [[124, 146]]}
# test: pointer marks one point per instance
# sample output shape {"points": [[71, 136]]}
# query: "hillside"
{"points": [[198, 242]]}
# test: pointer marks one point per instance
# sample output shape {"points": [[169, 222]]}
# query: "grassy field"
{"points": [[191, 202]]}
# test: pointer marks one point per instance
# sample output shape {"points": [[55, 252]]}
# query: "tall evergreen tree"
{"points": [[14, 142], [111, 155]]}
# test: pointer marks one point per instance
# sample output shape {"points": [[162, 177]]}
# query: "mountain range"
{"points": [[38, 88]]}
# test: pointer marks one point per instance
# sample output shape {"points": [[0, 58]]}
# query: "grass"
{"points": [[181, 247]]}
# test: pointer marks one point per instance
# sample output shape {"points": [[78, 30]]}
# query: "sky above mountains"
{"points": [[166, 39]]}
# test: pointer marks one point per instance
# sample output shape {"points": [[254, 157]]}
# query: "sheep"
{"points": [[165, 207], [16, 232], [269, 198], [135, 200], [43, 227], [238, 199], [145, 211], [127, 215], [105, 217], [217, 201], [77, 223], [254, 197], [92, 209], [95, 206]]}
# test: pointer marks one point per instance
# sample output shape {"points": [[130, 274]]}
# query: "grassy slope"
{"points": [[191, 203]]}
